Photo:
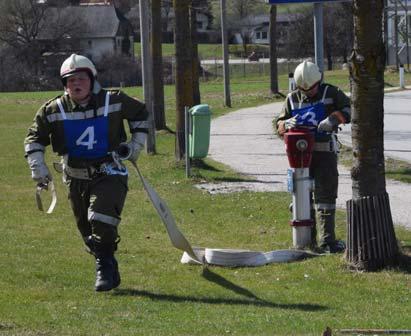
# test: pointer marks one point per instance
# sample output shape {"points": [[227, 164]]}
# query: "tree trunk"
{"points": [[157, 63], [371, 238], [183, 80], [195, 60], [328, 52], [244, 42], [273, 50]]}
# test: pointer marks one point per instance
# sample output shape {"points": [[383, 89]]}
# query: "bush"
{"points": [[118, 71]]}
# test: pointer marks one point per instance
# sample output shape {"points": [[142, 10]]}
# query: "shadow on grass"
{"points": [[198, 163], [223, 282], [251, 299], [234, 179], [245, 180], [404, 259]]}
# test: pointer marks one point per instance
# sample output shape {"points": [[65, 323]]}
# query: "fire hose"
{"points": [[195, 255], [44, 187], [212, 256]]}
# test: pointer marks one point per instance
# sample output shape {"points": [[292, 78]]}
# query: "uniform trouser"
{"points": [[97, 206], [323, 170]]}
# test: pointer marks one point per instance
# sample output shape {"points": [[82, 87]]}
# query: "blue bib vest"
{"points": [[309, 116], [86, 138]]}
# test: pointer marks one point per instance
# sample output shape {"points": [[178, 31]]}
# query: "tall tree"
{"points": [[371, 238], [21, 22], [338, 31], [299, 35], [195, 6], [240, 17], [273, 50], [157, 64], [184, 73]]}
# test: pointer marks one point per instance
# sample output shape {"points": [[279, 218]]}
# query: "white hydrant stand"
{"points": [[299, 146]]}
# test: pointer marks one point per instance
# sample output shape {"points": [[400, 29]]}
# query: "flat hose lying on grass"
{"points": [[220, 257]]}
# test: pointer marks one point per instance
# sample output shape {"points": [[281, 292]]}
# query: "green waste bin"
{"points": [[199, 136]]}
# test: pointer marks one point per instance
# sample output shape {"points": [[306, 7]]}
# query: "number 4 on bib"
{"points": [[87, 138]]}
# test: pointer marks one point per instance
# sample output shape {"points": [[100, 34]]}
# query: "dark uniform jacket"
{"points": [[48, 123], [334, 100]]}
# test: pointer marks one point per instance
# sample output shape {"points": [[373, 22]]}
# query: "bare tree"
{"points": [[21, 21], [371, 237], [240, 17], [167, 6], [402, 28], [338, 28], [24, 25], [299, 36]]}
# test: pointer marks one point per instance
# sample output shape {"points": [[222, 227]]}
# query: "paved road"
{"points": [[241, 61], [397, 126], [244, 140]]}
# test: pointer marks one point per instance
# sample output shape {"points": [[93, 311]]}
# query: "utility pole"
{"points": [[273, 50], [226, 65], [318, 35], [397, 61], [146, 71]]}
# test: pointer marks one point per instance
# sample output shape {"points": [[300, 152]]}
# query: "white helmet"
{"points": [[76, 63], [306, 74]]}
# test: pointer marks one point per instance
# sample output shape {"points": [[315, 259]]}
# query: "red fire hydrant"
{"points": [[299, 146]]}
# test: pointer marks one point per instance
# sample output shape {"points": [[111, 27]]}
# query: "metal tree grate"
{"points": [[371, 242]]}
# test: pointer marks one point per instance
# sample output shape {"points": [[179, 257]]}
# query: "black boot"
{"points": [[107, 273], [116, 275], [104, 273]]}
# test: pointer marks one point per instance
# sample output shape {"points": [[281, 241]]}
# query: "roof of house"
{"points": [[96, 21]]}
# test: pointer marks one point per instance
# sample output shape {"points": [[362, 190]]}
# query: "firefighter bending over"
{"points": [[322, 107]]}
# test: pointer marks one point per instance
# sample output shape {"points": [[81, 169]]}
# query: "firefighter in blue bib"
{"points": [[321, 107], [85, 127]]}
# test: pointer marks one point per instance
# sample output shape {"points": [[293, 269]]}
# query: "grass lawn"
{"points": [[46, 283]]}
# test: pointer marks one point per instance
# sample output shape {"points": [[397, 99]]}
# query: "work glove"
{"points": [[39, 171], [328, 124], [290, 123], [131, 150]]}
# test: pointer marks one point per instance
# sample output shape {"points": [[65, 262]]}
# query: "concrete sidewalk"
{"points": [[244, 141]]}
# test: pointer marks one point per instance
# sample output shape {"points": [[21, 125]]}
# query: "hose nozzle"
{"points": [[123, 151]]}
